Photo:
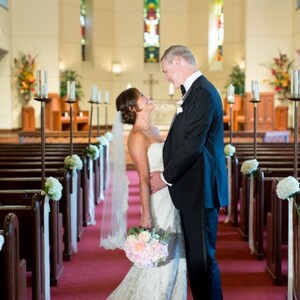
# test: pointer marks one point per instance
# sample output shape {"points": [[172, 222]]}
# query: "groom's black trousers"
{"points": [[200, 234]]}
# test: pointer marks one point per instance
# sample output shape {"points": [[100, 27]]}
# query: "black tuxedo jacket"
{"points": [[193, 153]]}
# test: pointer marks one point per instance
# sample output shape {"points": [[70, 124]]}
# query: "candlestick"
{"points": [[255, 90], [230, 93]]}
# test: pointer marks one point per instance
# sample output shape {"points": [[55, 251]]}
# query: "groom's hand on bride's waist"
{"points": [[156, 182]]}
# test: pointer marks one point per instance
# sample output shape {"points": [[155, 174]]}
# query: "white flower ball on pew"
{"points": [[103, 140], [249, 167], [92, 151], [229, 150], [1, 241], [109, 136], [53, 188], [287, 187], [73, 162]]}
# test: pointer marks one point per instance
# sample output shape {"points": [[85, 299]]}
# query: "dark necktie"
{"points": [[182, 89]]}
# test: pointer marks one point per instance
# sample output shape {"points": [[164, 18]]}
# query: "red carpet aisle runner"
{"points": [[94, 272]]}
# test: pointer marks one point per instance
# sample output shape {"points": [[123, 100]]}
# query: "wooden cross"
{"points": [[150, 82]]}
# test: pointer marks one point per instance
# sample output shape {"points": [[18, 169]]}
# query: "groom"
{"points": [[194, 168]]}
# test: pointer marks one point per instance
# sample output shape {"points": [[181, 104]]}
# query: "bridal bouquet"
{"points": [[146, 248]]}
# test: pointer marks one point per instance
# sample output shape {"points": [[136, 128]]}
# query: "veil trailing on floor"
{"points": [[114, 218]]}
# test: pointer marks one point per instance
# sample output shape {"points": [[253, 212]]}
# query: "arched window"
{"points": [[151, 30], [216, 35], [82, 28]]}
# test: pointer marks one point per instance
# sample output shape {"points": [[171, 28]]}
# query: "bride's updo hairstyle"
{"points": [[126, 103]]}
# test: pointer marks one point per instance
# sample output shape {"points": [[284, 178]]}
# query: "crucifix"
{"points": [[151, 82]]}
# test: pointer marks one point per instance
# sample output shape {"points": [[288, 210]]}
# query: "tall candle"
{"points": [[41, 83], [254, 90], [296, 83], [99, 97], [171, 89], [38, 83], [68, 90], [106, 97], [72, 93], [230, 93], [45, 84], [292, 83], [94, 92]]}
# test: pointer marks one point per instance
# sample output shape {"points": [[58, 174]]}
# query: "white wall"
{"points": [[5, 70], [268, 28], [35, 30]]}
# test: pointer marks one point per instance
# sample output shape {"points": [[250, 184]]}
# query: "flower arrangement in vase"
{"points": [[25, 67], [280, 68]]}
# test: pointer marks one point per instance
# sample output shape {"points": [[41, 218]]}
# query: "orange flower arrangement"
{"points": [[25, 75], [280, 72]]}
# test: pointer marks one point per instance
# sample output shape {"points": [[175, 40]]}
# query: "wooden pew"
{"points": [[276, 235], [13, 269], [23, 197], [33, 183], [31, 240], [29, 161]]}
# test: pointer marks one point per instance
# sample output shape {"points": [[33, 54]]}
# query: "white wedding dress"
{"points": [[168, 280]]}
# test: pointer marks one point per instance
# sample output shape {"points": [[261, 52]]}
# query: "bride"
{"points": [[167, 280]]}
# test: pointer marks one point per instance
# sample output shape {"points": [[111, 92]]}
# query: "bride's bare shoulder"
{"points": [[137, 138]]}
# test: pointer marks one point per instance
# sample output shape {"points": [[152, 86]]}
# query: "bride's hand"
{"points": [[156, 183], [146, 222]]}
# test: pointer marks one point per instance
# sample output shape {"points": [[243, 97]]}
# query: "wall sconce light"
{"points": [[242, 64], [61, 65], [116, 68]]}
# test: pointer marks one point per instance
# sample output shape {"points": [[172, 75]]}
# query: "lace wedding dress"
{"points": [[168, 280]]}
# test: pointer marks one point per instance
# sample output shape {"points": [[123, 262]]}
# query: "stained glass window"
{"points": [[4, 3], [83, 29], [216, 35], [220, 25], [151, 30]]}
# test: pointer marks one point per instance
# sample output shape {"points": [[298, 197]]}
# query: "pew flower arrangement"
{"points": [[249, 167], [91, 151], [1, 241], [229, 150], [109, 136], [103, 140], [287, 188], [73, 162], [146, 248], [53, 188]]}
